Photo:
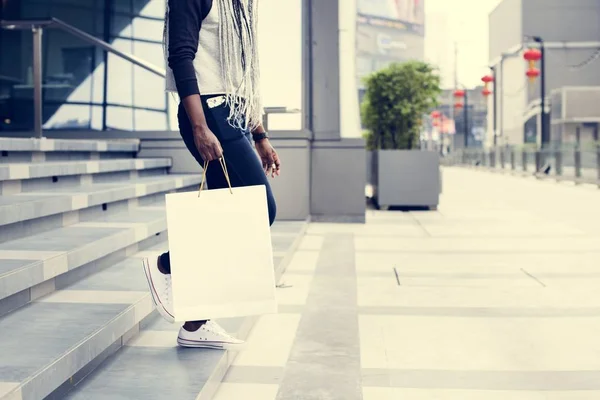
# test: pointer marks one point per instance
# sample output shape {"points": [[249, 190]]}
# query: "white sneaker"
{"points": [[210, 336], [160, 287]]}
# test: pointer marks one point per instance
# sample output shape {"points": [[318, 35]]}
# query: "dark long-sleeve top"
{"points": [[184, 23]]}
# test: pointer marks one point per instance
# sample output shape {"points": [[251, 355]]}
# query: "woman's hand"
{"points": [[269, 157]]}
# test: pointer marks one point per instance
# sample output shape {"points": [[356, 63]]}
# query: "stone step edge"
{"points": [[141, 310], [116, 242], [21, 171], [82, 201], [68, 145], [119, 327]]}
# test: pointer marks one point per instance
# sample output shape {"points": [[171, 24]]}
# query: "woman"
{"points": [[213, 66]]}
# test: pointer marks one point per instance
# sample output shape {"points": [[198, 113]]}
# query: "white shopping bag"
{"points": [[221, 253]]}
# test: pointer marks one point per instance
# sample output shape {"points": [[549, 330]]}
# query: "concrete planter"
{"points": [[405, 178]]}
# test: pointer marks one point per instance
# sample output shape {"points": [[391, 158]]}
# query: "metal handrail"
{"points": [[63, 26], [37, 27]]}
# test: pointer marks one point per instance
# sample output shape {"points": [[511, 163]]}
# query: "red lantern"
{"points": [[487, 79], [486, 92], [458, 105], [435, 114], [532, 73], [436, 123], [459, 93], [532, 55]]}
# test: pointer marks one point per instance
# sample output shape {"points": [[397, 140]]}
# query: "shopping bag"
{"points": [[221, 253]]}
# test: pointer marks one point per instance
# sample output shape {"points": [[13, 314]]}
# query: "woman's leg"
{"points": [[243, 164], [245, 169]]}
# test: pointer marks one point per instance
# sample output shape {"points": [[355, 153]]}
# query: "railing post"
{"points": [[577, 163], [513, 159], [538, 161], [37, 81], [558, 157], [598, 164]]}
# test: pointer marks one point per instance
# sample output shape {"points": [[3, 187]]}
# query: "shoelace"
{"points": [[215, 328]]}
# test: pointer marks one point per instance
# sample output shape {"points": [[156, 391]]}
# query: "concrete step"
{"points": [[35, 265], [71, 145], [59, 339], [38, 150], [57, 169], [65, 334], [150, 366], [33, 205]]}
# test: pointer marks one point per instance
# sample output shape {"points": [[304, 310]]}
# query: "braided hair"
{"points": [[239, 60]]}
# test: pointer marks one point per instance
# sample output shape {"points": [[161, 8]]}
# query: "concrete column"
{"points": [[337, 164]]}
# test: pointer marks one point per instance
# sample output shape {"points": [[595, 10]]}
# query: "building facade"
{"points": [[388, 31], [77, 93], [571, 34]]}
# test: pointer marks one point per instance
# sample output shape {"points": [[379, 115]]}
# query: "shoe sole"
{"points": [[155, 298], [210, 345]]}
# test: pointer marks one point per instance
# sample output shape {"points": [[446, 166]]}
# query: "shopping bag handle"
{"points": [[225, 172]]}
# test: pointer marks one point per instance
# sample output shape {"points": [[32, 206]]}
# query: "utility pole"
{"points": [[545, 136], [495, 105], [466, 116]]}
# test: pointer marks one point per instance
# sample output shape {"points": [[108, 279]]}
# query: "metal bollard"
{"points": [[492, 159], [524, 160], [502, 158], [577, 163], [558, 157]]}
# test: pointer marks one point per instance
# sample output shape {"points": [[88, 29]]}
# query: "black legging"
{"points": [[245, 168]]}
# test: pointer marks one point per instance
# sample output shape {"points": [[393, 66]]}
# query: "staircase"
{"points": [[76, 218]]}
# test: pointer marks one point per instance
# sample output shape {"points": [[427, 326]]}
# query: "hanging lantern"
{"points": [[532, 56], [435, 114], [486, 85], [436, 123], [458, 105], [459, 93], [532, 73]]}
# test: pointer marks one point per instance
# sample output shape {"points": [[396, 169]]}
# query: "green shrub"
{"points": [[395, 103]]}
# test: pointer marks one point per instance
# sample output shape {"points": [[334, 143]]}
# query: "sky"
{"points": [[464, 22]]}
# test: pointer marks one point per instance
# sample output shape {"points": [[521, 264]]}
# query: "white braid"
{"points": [[244, 114]]}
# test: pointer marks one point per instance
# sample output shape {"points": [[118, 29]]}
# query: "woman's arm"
{"points": [[185, 21]]}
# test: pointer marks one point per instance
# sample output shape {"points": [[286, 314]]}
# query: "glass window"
{"points": [[149, 89], [150, 8], [80, 17], [150, 52], [75, 116], [119, 118], [122, 6], [148, 29], [121, 25], [120, 75], [146, 120]]}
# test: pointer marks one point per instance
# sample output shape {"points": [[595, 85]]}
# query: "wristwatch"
{"points": [[257, 137]]}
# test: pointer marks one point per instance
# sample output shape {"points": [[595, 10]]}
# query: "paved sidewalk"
{"points": [[494, 296]]}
